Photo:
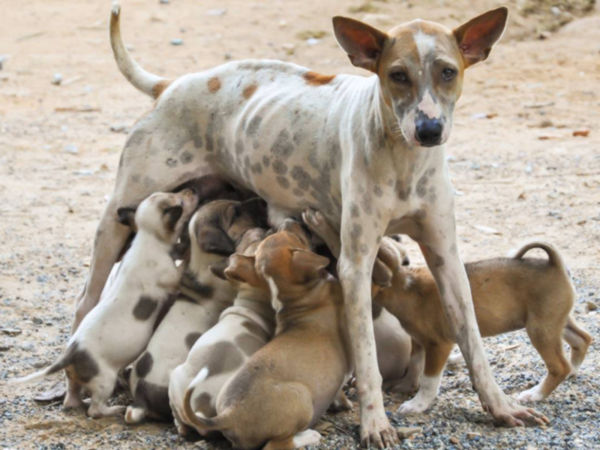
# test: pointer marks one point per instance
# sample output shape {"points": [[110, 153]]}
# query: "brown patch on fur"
{"points": [[214, 84], [317, 79], [249, 91], [159, 87]]}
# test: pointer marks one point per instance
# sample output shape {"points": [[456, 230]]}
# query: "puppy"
{"points": [[117, 330], [508, 294], [289, 383], [241, 330], [213, 229]]}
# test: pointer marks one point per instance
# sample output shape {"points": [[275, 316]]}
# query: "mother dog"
{"points": [[366, 151]]}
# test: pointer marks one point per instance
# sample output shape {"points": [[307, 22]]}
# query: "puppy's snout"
{"points": [[428, 132]]}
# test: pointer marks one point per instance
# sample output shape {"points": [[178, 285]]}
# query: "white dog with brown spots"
{"points": [[366, 151], [119, 328]]}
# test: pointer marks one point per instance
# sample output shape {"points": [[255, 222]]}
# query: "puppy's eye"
{"points": [[448, 74], [399, 76]]}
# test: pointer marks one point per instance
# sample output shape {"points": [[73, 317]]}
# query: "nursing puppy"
{"points": [[508, 294], [288, 384], [215, 357], [117, 330], [201, 299]]}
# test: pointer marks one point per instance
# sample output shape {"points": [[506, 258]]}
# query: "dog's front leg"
{"points": [[360, 237], [438, 244]]}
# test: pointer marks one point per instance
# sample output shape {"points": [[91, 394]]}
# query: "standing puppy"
{"points": [[288, 384], [119, 328], [508, 294]]}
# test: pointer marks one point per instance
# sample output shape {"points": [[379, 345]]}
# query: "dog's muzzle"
{"points": [[428, 132]]}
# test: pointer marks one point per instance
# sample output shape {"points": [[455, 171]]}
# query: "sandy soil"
{"points": [[524, 157]]}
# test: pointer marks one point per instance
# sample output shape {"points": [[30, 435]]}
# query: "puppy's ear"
{"points": [[382, 275], [172, 215], [476, 37], [218, 268], [213, 240], [241, 269], [309, 264], [126, 216], [257, 209], [362, 42]]}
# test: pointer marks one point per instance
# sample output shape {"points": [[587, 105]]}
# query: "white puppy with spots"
{"points": [[217, 355], [119, 328]]}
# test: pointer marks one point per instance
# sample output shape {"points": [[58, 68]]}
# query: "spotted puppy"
{"points": [[242, 329], [213, 230], [119, 328], [287, 385], [508, 294]]}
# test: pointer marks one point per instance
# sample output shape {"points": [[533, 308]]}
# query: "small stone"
{"points": [[312, 41], [591, 306], [163, 2], [227, 56], [2, 59], [119, 128], [454, 440], [177, 41], [71, 148], [216, 12], [11, 331], [37, 321], [57, 79], [405, 432], [473, 436]]}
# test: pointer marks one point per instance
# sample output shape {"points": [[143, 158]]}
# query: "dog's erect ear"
{"points": [[172, 215], [476, 37], [126, 216], [213, 240], [218, 268], [241, 269], [308, 263], [362, 42]]}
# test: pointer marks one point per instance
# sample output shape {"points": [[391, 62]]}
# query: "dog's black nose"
{"points": [[428, 131]]}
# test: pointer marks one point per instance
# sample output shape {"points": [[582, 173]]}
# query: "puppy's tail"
{"points": [[554, 257], [146, 82], [202, 424], [58, 365]]}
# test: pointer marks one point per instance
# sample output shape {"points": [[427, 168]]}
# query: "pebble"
{"points": [[71, 148], [312, 41], [119, 128], [591, 306], [177, 41], [11, 331], [216, 12], [57, 79], [2, 59], [164, 2]]}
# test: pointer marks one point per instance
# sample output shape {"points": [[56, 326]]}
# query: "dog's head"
{"points": [[287, 263], [218, 226], [162, 214], [420, 66]]}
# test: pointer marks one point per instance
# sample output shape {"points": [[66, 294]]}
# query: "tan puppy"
{"points": [[508, 294], [288, 384]]}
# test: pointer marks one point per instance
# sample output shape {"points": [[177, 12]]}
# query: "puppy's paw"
{"points": [[531, 395], [314, 220], [412, 406], [134, 415], [306, 437]]}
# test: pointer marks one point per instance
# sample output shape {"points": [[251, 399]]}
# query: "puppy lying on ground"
{"points": [[118, 329], [289, 383], [508, 294], [216, 356], [201, 299]]}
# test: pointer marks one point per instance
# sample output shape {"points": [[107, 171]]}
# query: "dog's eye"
{"points": [[399, 76], [448, 74]]}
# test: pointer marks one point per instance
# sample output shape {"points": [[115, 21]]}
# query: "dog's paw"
{"points": [[314, 220], [531, 395], [306, 437], [510, 413], [134, 415], [376, 431], [413, 406]]}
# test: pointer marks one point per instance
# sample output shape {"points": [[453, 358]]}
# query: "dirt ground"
{"points": [[524, 158]]}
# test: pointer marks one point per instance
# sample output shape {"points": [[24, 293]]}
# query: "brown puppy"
{"points": [[508, 294], [288, 384]]}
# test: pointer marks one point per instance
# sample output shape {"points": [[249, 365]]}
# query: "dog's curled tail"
{"points": [[148, 83], [554, 257], [202, 424]]}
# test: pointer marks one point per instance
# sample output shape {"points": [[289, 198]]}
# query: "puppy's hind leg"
{"points": [[579, 341], [102, 387]]}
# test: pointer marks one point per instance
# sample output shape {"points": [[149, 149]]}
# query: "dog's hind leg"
{"points": [[579, 341]]}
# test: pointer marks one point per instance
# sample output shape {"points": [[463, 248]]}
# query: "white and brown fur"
{"points": [[287, 385], [367, 151], [215, 357], [119, 328]]}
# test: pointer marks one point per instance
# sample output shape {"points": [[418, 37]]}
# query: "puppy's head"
{"points": [[420, 66], [162, 214], [217, 227], [285, 260]]}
